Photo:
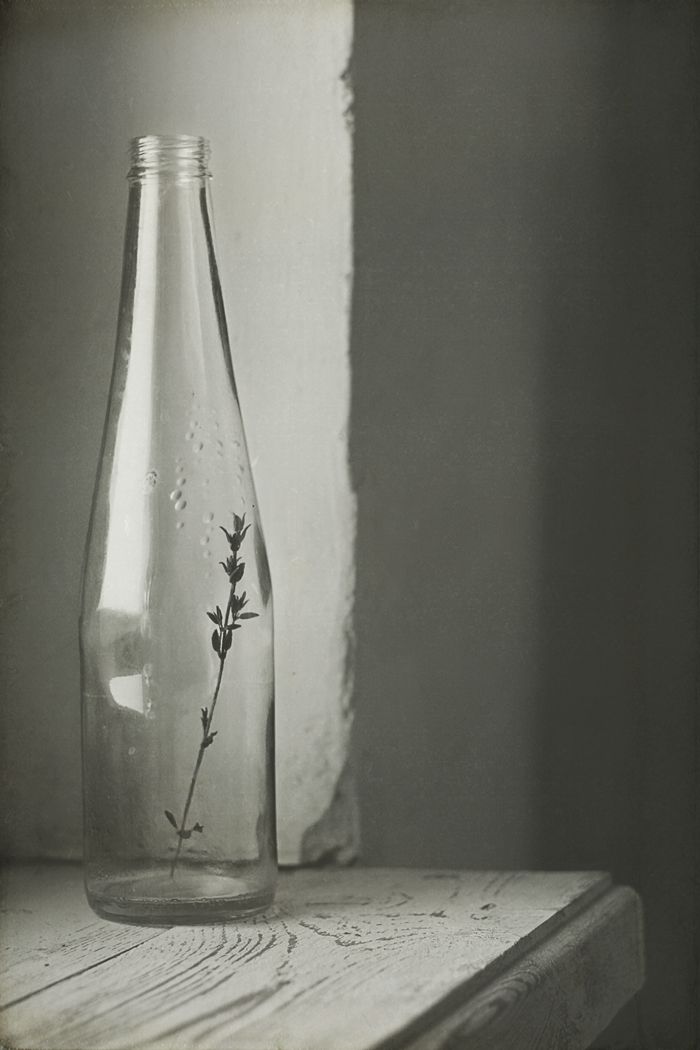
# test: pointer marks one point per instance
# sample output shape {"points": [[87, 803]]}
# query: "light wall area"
{"points": [[263, 81]]}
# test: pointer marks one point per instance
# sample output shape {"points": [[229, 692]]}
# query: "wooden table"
{"points": [[347, 960]]}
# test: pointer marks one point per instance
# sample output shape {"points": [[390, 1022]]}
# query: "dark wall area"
{"points": [[524, 449]]}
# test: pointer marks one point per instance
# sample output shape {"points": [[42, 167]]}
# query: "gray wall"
{"points": [[524, 450], [77, 80]]}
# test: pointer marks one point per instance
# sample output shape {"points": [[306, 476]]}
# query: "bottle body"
{"points": [[176, 623]]}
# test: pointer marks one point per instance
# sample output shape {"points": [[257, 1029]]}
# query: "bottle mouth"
{"points": [[185, 156]]}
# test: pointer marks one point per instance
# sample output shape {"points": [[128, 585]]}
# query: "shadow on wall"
{"points": [[618, 590], [524, 452]]}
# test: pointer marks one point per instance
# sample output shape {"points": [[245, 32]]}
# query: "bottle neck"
{"points": [[171, 297], [182, 158]]}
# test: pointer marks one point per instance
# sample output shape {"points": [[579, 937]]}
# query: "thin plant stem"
{"points": [[202, 748], [222, 639]]}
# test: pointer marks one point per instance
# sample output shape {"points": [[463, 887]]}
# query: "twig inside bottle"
{"points": [[221, 640]]}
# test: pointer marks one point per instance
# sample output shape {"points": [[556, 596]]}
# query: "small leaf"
{"points": [[212, 617], [238, 522], [247, 616], [242, 534], [205, 715], [209, 739], [227, 534], [215, 641], [171, 818], [228, 638], [198, 827], [219, 616], [237, 573]]}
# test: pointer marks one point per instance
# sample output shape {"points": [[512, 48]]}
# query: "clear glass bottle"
{"points": [[176, 624]]}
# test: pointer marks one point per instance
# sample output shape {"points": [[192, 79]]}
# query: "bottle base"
{"points": [[189, 897]]}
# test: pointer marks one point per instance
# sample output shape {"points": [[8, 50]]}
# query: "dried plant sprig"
{"points": [[222, 637]]}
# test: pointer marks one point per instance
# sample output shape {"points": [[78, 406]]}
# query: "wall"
{"points": [[524, 449], [262, 80]]}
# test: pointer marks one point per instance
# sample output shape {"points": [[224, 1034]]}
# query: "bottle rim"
{"points": [[180, 155]]}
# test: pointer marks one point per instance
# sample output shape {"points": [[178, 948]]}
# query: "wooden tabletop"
{"points": [[346, 960]]}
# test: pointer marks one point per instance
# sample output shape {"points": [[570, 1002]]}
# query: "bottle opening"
{"points": [[180, 155]]}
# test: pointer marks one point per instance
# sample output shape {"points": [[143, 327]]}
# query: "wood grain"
{"points": [[560, 995], [347, 960]]}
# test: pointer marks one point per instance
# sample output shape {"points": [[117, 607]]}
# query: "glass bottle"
{"points": [[176, 622]]}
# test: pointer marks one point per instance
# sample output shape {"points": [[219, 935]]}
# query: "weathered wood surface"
{"points": [[347, 960]]}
